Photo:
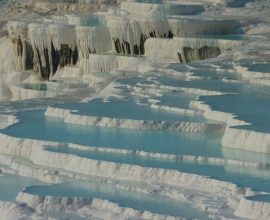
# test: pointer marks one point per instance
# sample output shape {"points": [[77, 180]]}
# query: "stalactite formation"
{"points": [[48, 47]]}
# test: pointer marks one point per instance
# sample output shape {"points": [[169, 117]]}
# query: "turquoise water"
{"points": [[214, 75], [226, 37], [184, 9], [224, 173], [258, 67], [249, 104], [53, 86], [11, 185], [176, 99], [35, 86], [206, 71], [205, 84], [94, 21], [126, 110], [145, 140], [236, 4], [138, 201], [214, 83], [208, 145], [260, 198], [131, 81], [241, 155], [148, 140]]}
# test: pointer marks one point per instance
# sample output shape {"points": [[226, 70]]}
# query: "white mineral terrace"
{"points": [[154, 110]]}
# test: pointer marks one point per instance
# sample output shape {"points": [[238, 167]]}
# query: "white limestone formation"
{"points": [[250, 209], [189, 49], [90, 208], [33, 150], [127, 52], [174, 109], [191, 27], [18, 33], [91, 40], [246, 140], [211, 114], [7, 120], [155, 88], [181, 126], [105, 63]]}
